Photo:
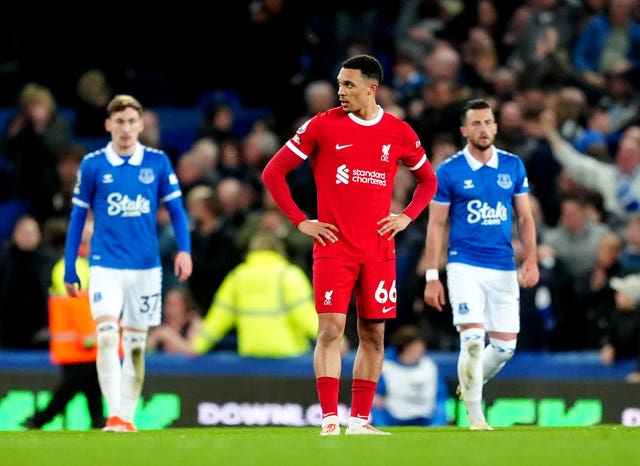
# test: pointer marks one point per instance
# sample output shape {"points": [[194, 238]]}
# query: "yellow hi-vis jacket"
{"points": [[72, 329], [270, 303]]}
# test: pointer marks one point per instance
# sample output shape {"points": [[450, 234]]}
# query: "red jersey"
{"points": [[354, 165]]}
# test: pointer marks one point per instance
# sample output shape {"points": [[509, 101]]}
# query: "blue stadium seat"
{"points": [[178, 126]]}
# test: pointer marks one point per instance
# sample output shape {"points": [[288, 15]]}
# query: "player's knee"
{"points": [[472, 341], [330, 331], [504, 349], [134, 342], [108, 335]]}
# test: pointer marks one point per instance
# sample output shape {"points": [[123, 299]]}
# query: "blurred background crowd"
{"points": [[255, 70]]}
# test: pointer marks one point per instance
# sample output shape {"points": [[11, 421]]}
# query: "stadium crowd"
{"points": [[562, 76]]}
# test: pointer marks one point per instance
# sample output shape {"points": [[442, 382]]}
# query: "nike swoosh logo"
{"points": [[387, 309], [339, 147]]}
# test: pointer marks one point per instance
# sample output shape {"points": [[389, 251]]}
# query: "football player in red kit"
{"points": [[354, 151]]}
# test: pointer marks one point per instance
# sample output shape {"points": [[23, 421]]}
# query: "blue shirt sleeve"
{"points": [[72, 243], [180, 224]]}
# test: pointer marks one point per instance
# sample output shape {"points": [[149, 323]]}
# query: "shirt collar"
{"points": [[475, 164], [362, 122], [117, 160]]}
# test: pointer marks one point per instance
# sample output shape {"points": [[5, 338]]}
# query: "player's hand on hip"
{"points": [[183, 265], [320, 231], [434, 294], [393, 223]]}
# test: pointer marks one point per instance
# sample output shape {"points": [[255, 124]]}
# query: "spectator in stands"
{"points": [[492, 16], [607, 39], [593, 140], [630, 258], [514, 30], [596, 304], [54, 234], [181, 322], [151, 135], [274, 37], [212, 244], [35, 136], [269, 217], [411, 390], [207, 152], [512, 136], [543, 170], [25, 276], [572, 245], [73, 344], [590, 8], [217, 122], [236, 197], [623, 340], [268, 300], [231, 164], [621, 99], [543, 15], [550, 62], [408, 79], [93, 92], [479, 61], [199, 165], [257, 149], [444, 61], [417, 27], [504, 82], [366, 22], [67, 165], [575, 239], [319, 96], [570, 109], [440, 111], [618, 182], [443, 146]]}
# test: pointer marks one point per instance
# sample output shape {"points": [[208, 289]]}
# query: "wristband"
{"points": [[431, 275]]}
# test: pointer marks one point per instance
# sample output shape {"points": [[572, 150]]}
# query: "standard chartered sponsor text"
{"points": [[369, 177]]}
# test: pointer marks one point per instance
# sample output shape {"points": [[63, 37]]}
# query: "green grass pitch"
{"points": [[600, 445]]}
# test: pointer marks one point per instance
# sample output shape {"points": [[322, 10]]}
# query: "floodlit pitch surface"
{"points": [[600, 445]]}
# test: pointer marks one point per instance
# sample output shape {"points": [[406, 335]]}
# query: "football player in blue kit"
{"points": [[123, 185], [478, 190]]}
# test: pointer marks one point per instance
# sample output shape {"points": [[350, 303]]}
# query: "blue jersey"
{"points": [[480, 199], [123, 194]]}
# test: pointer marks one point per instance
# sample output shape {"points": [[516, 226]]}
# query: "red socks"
{"points": [[362, 392], [328, 389]]}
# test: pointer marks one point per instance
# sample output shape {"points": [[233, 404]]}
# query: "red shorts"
{"points": [[374, 285]]}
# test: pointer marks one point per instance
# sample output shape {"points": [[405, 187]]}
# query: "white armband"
{"points": [[431, 275]]}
